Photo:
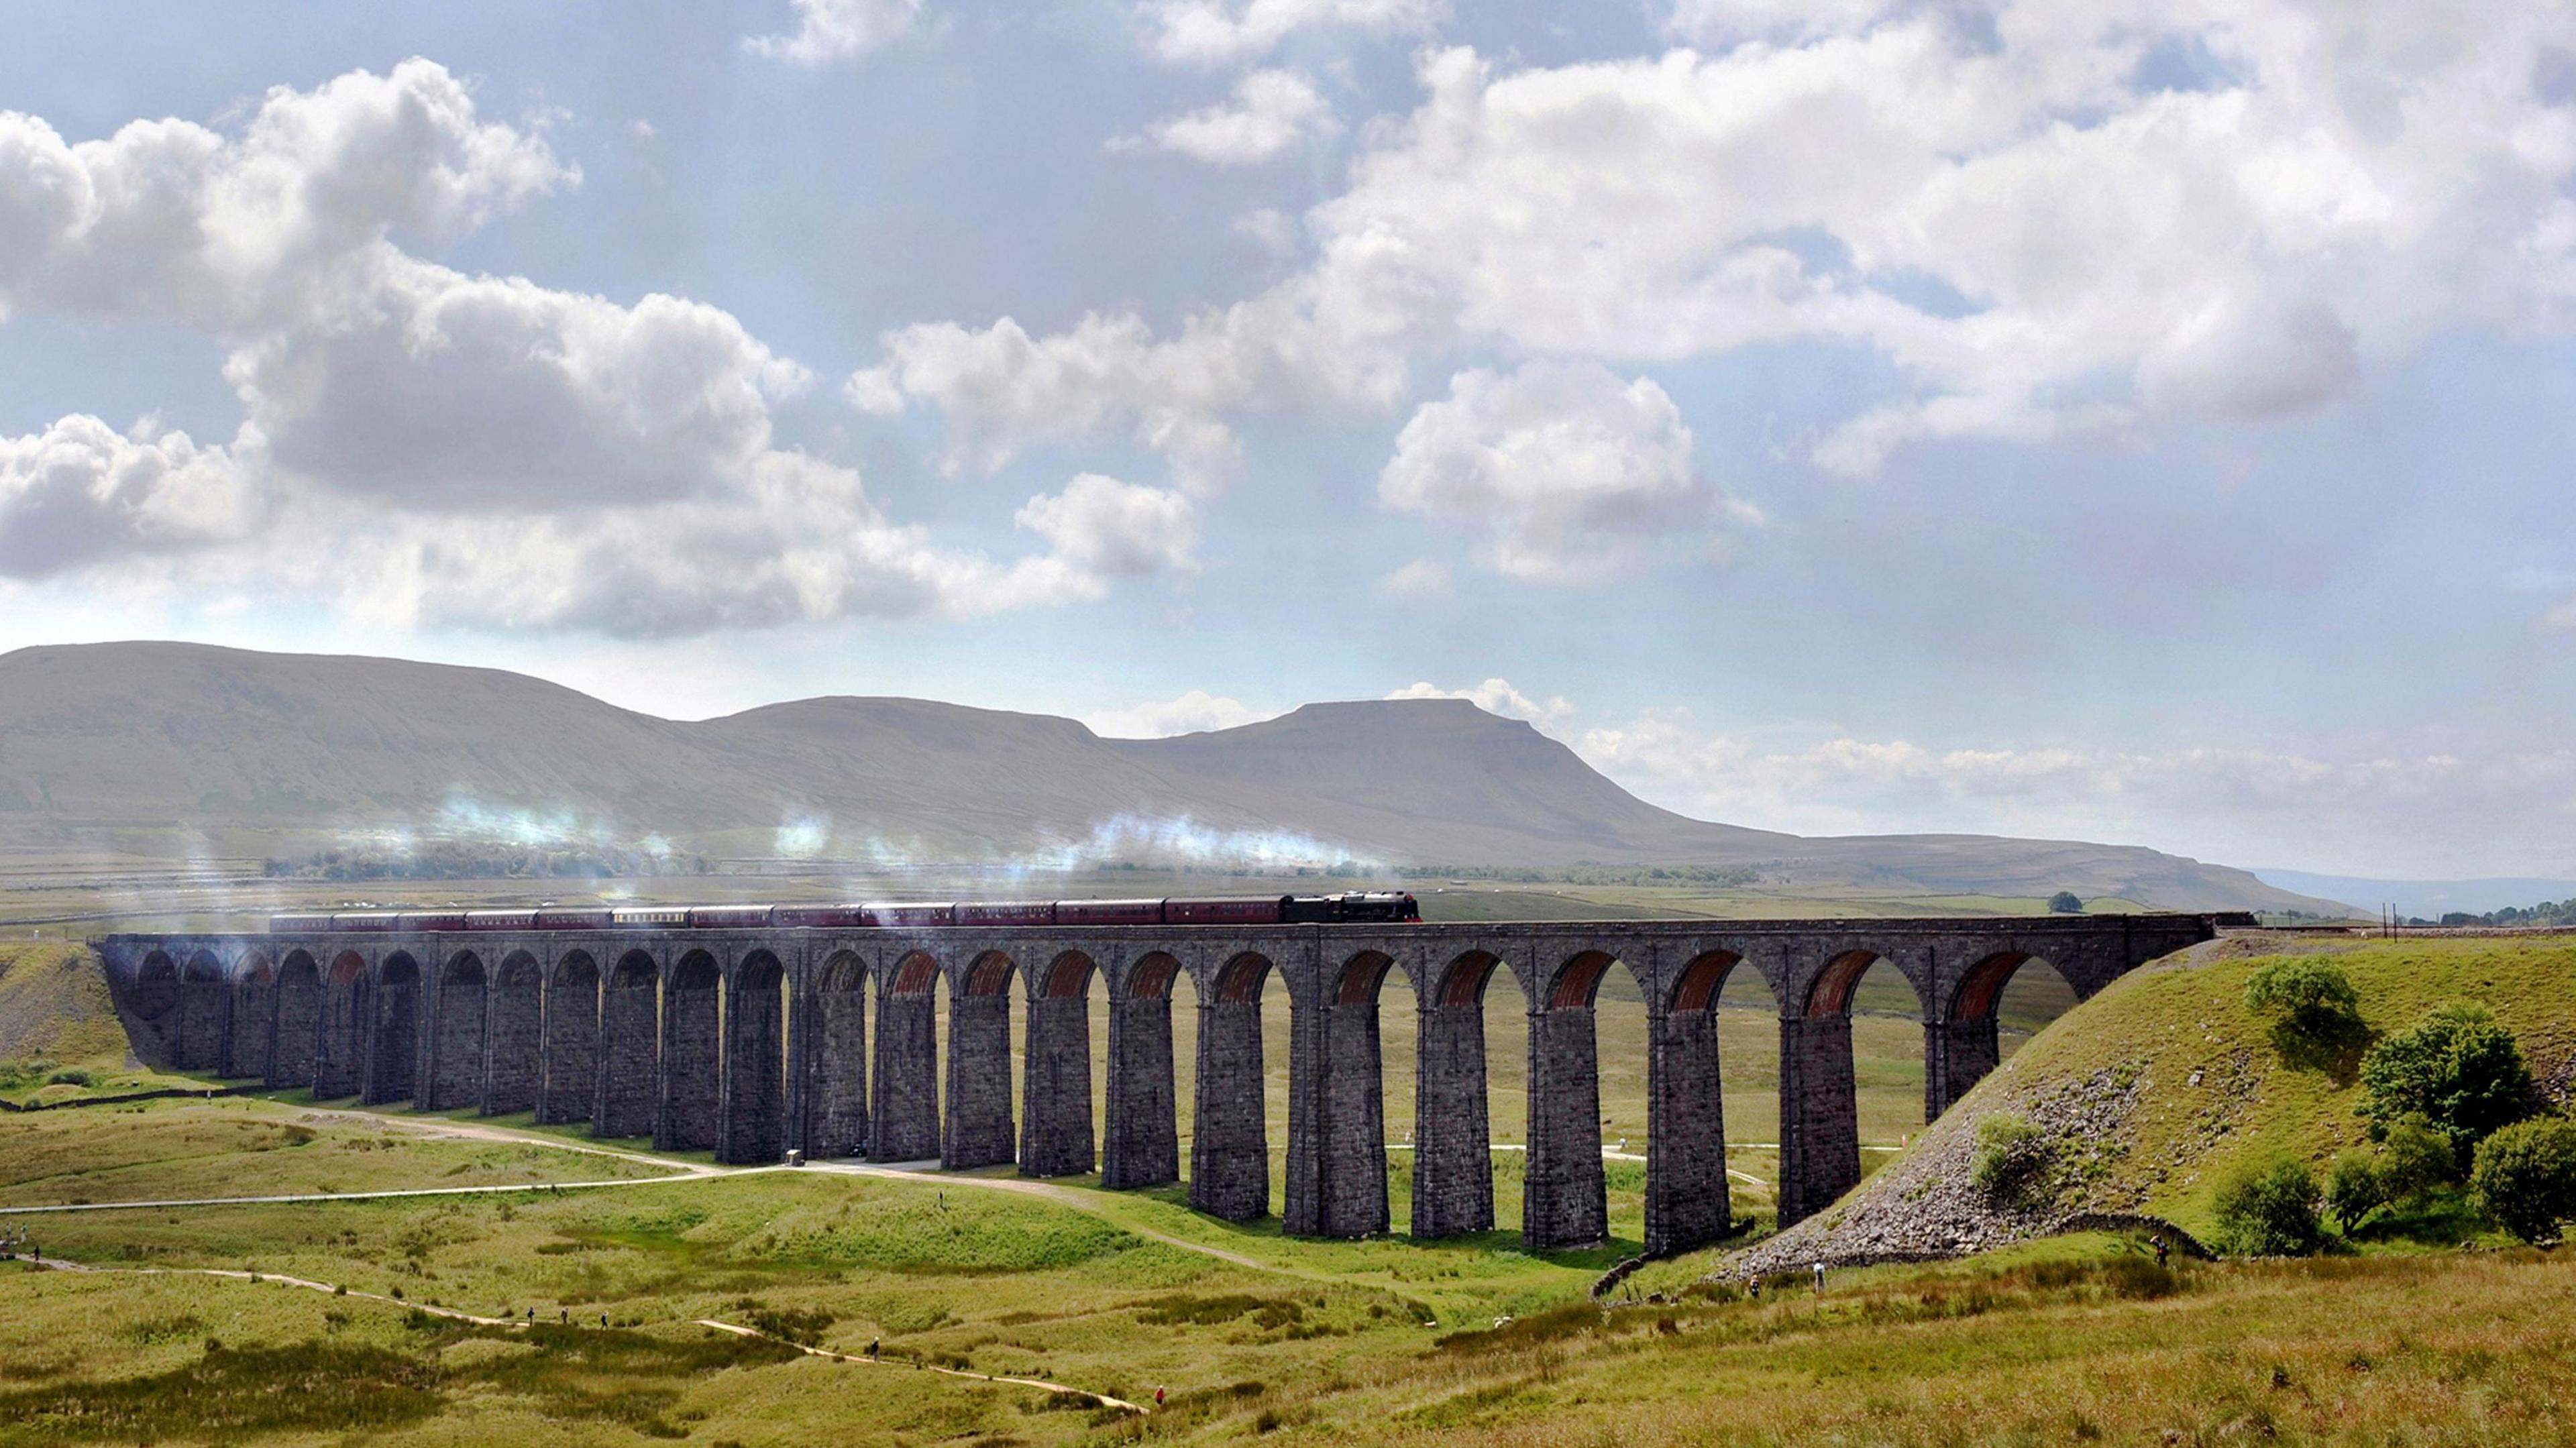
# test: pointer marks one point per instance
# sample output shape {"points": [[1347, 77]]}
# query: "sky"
{"points": [[2136, 422]]}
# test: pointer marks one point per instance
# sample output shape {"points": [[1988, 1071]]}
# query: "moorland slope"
{"points": [[2156, 1088], [153, 748]]}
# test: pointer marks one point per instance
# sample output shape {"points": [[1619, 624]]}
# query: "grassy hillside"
{"points": [[2176, 1024], [177, 751], [2165, 1082], [54, 1007]]}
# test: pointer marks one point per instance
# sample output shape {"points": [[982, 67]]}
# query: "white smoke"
{"points": [[801, 836], [1181, 840]]}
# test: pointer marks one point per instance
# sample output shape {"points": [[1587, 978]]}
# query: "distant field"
{"points": [[37, 895]]}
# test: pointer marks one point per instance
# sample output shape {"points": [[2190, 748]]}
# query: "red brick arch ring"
{"points": [[1463, 980], [1068, 977], [1578, 981], [1702, 979], [1151, 977]]}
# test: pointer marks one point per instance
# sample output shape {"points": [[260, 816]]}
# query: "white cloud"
{"points": [[2434, 813], [1270, 111], [1498, 696], [170, 218], [2563, 616], [794, 539], [1223, 32], [832, 31], [2039, 238], [80, 493], [466, 450], [1195, 712], [1108, 527], [1565, 468], [1002, 390], [1276, 230], [446, 391], [1718, 24], [1421, 578]]}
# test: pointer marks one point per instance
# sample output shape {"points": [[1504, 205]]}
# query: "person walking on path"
{"points": [[2158, 1242]]}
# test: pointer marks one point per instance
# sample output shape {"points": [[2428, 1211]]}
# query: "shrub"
{"points": [[2268, 1208], [2066, 902], [2459, 1070], [2414, 1159], [2356, 1186], [2014, 1161], [2526, 1177], [2314, 1011]]}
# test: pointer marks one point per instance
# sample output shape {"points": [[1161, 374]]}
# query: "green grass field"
{"points": [[2077, 1340]]}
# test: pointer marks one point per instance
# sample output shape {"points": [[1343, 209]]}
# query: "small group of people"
{"points": [[1753, 1283]]}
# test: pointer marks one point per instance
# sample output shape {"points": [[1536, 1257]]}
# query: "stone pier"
{"points": [[747, 1042]]}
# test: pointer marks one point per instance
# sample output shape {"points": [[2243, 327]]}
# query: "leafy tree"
{"points": [[2414, 1159], [2526, 1177], [2356, 1186], [2314, 1011], [2268, 1208], [2013, 1161], [2459, 1070], [2066, 902]]}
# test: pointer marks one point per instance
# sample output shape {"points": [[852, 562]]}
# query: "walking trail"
{"points": [[677, 1170], [515, 1324]]}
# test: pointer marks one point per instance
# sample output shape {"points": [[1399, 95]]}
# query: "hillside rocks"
{"points": [[1927, 1205]]}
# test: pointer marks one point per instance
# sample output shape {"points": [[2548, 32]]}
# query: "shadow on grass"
{"points": [[571, 1374], [2442, 1218]]}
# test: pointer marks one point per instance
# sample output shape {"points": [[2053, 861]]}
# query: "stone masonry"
{"points": [[568, 1059], [1055, 1087], [752, 1042], [514, 1011]]}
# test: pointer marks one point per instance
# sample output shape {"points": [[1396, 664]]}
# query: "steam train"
{"points": [[1350, 906]]}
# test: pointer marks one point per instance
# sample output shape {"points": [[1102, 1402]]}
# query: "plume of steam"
{"points": [[1168, 841], [801, 836]]}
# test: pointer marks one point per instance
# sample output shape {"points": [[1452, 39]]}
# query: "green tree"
{"points": [[2459, 1070], [2314, 1011], [2356, 1186], [2525, 1178], [2066, 902], [2414, 1159], [2268, 1208]]}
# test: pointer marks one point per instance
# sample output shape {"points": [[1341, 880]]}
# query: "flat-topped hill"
{"points": [[141, 742]]}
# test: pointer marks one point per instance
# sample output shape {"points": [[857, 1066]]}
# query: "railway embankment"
{"points": [[2138, 1103]]}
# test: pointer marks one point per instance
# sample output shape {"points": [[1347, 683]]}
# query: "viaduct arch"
{"points": [[747, 1043]]}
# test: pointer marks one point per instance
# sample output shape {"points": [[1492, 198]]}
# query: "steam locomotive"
{"points": [[1350, 906]]}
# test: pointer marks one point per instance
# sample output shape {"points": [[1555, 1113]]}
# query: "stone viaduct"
{"points": [[749, 1043]]}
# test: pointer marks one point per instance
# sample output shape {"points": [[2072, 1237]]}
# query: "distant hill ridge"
{"points": [[127, 741]]}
